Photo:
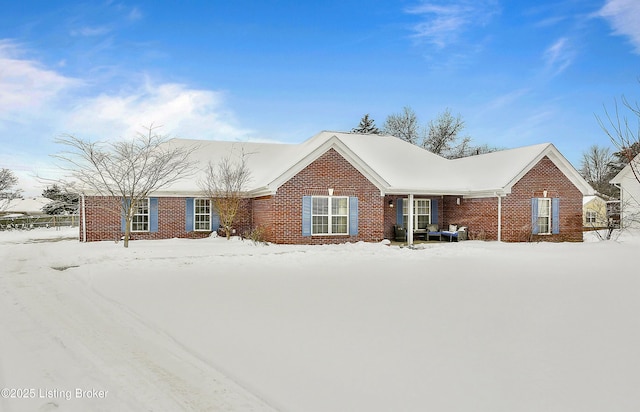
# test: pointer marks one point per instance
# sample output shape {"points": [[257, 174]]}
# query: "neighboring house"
{"points": [[27, 206], [627, 181], [594, 212], [342, 187]]}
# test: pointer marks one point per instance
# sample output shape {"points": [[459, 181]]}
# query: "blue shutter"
{"points": [[434, 211], [189, 214], [215, 219], [306, 215], [125, 206], [399, 216], [153, 214], [555, 215], [534, 216], [353, 216]]}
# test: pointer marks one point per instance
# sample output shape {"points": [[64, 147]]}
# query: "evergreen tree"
{"points": [[63, 202], [366, 126]]}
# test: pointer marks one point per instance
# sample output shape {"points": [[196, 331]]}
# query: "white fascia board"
{"points": [[261, 191], [465, 193], [344, 151]]}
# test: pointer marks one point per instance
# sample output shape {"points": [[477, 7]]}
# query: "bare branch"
{"points": [[225, 183], [130, 170]]}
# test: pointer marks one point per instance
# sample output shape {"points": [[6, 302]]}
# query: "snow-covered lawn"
{"points": [[217, 325]]}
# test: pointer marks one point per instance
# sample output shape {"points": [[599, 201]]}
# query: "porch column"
{"points": [[499, 218], [410, 220]]}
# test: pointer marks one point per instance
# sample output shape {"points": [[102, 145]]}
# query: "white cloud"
{"points": [[623, 17], [135, 14], [90, 31], [559, 56], [38, 103], [444, 23], [506, 100], [181, 111], [25, 84]]}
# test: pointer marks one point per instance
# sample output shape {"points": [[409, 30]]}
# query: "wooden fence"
{"points": [[28, 222]]}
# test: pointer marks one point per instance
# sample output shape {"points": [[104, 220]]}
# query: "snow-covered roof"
{"points": [[393, 165], [591, 198], [626, 173], [32, 205]]}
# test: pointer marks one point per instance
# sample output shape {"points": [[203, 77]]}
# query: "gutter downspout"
{"points": [[84, 221]]}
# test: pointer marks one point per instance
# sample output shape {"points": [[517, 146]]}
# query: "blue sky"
{"points": [[518, 72]]}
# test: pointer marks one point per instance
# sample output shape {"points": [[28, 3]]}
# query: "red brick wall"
{"points": [[262, 214], [481, 215], [104, 220], [279, 215], [283, 211]]}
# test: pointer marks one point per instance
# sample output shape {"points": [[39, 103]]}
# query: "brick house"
{"points": [[342, 187]]}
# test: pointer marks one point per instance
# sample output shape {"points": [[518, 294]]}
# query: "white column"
{"points": [[410, 220], [499, 218], [84, 220]]}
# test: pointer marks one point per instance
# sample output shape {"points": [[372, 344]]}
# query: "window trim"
{"points": [[148, 215], [591, 216], [549, 216], [405, 217], [330, 216], [196, 214]]}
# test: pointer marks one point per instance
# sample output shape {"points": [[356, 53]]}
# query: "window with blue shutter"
{"points": [[125, 206], [153, 214], [329, 215], [555, 215], [306, 215], [215, 220], [399, 214], [434, 211], [353, 216], [189, 215], [545, 216], [534, 216]]}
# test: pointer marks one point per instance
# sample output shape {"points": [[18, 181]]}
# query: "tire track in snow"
{"points": [[141, 367]]}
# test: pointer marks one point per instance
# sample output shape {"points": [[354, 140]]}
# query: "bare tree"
{"points": [[366, 126], [225, 183], [443, 138], [128, 170], [596, 168], [404, 126], [8, 181], [623, 129]]}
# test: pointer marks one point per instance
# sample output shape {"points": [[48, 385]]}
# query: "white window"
{"points": [[202, 215], [329, 215], [544, 215], [421, 213], [591, 216], [140, 217]]}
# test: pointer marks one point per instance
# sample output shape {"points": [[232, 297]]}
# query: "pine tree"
{"points": [[366, 126]]}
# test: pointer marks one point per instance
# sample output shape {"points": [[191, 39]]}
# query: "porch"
{"points": [[449, 217]]}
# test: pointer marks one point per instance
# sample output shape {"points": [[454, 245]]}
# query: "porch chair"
{"points": [[455, 232], [433, 231], [400, 233]]}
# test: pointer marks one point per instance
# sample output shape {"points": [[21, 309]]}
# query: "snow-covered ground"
{"points": [[217, 325]]}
